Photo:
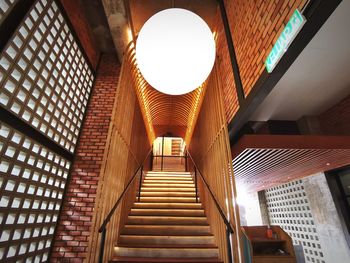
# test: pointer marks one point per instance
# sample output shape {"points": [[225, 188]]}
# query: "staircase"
{"points": [[176, 146], [167, 225]]}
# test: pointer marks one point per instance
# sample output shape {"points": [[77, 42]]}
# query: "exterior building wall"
{"points": [[72, 236]]}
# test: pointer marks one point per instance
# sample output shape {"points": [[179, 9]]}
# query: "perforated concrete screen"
{"points": [[289, 208], [32, 181], [5, 8], [44, 77]]}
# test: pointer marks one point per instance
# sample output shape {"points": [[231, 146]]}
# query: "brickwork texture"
{"points": [[72, 234], [255, 26]]}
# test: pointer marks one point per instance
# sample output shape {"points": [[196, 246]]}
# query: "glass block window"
{"points": [[5, 8], [44, 77], [289, 208], [32, 182]]}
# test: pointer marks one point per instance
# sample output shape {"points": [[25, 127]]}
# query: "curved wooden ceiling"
{"points": [[166, 114]]}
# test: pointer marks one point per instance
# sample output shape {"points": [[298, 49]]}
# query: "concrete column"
{"points": [[328, 225], [263, 208]]}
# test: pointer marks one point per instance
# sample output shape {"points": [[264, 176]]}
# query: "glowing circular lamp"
{"points": [[175, 51]]}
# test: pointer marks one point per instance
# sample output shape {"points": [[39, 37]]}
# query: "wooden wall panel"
{"points": [[127, 146], [211, 150]]}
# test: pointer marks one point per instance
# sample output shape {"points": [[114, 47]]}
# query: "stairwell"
{"points": [[167, 224]]}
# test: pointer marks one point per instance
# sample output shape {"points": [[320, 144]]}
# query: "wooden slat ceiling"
{"points": [[166, 114], [264, 161]]}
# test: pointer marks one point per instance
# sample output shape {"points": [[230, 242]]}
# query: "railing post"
{"points": [[195, 183], [161, 165], [186, 168], [228, 243], [140, 184], [151, 164], [102, 245]]}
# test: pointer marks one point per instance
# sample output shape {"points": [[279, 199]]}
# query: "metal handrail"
{"points": [[227, 223], [229, 228], [103, 228]]}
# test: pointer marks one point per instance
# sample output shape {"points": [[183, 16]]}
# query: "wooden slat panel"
{"points": [[263, 161], [164, 113], [127, 146], [211, 150]]}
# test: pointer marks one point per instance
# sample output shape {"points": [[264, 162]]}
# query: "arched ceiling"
{"points": [[166, 114], [163, 113]]}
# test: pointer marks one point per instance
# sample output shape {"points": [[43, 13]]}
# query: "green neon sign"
{"points": [[287, 36]]}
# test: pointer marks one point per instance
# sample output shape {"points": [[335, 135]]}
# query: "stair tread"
{"points": [[169, 246], [166, 260], [166, 189]]}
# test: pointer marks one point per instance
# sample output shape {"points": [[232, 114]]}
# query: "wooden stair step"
{"points": [[167, 189], [167, 230], [163, 181], [166, 185], [167, 212], [168, 205], [166, 220], [173, 194], [169, 178], [166, 240], [167, 252], [167, 199], [169, 174], [165, 260]]}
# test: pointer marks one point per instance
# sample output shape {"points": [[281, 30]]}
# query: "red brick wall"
{"points": [[255, 26], [71, 239], [336, 120], [74, 10]]}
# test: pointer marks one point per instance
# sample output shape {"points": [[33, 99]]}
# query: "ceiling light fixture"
{"points": [[175, 51]]}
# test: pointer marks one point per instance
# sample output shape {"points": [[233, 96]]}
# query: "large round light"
{"points": [[175, 51]]}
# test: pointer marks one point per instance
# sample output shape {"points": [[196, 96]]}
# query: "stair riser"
{"points": [[169, 178], [168, 240], [168, 185], [160, 181], [167, 189], [168, 194], [166, 253], [159, 199], [168, 205], [166, 230], [152, 220], [166, 212]]}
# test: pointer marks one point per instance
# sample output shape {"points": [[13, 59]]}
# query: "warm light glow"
{"points": [[175, 51]]}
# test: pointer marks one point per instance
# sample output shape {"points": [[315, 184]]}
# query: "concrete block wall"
{"points": [[305, 209], [72, 234]]}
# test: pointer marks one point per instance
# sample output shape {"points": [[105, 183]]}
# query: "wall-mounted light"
{"points": [[175, 51]]}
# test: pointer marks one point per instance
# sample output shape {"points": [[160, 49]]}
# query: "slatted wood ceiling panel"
{"points": [[165, 113], [259, 164]]}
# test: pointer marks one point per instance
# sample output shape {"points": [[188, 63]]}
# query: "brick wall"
{"points": [[71, 239], [255, 26], [75, 12], [336, 120]]}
